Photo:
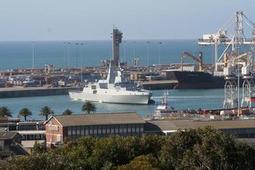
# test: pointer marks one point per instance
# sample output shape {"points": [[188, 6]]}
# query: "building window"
{"points": [[69, 131], [73, 131], [124, 129], [82, 131], [95, 130], [141, 129], [86, 131], [90, 131], [112, 130], [129, 129], [108, 130], [78, 131], [133, 128], [99, 131], [116, 129], [103, 130], [137, 129]]}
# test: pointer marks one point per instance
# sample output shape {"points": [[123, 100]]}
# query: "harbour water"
{"points": [[90, 53], [179, 99]]}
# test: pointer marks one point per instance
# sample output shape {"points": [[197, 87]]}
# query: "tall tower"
{"points": [[116, 40]]}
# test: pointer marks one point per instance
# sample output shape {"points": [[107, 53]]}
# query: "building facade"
{"points": [[31, 132], [60, 128]]}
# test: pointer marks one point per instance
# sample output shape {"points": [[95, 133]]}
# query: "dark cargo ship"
{"points": [[186, 80], [195, 80]]}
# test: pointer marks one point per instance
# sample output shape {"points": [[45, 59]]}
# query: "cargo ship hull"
{"points": [[195, 80]]}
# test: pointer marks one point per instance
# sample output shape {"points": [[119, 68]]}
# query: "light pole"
{"points": [[80, 51], [77, 53], [65, 55], [33, 55], [148, 42], [68, 54], [159, 46]]}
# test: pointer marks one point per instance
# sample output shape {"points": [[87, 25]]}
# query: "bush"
{"points": [[191, 149]]}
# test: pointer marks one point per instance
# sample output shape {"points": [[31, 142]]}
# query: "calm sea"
{"points": [[91, 53]]}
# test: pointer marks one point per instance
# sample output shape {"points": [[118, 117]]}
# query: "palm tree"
{"points": [[25, 112], [46, 111], [67, 112], [5, 112], [88, 107]]}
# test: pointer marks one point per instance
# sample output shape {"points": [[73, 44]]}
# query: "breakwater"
{"points": [[34, 91]]}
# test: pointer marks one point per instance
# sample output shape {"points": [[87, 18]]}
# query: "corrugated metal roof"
{"points": [[186, 124], [7, 135], [99, 119]]}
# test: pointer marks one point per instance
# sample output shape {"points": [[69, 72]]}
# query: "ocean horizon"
{"points": [[92, 52]]}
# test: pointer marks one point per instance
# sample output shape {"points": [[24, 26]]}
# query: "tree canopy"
{"points": [[46, 111], [88, 107], [25, 112], [67, 112], [191, 149], [5, 112]]}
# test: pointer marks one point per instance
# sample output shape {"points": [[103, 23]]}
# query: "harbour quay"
{"points": [[34, 91]]}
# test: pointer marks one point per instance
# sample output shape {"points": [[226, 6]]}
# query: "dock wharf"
{"points": [[159, 84], [34, 91]]}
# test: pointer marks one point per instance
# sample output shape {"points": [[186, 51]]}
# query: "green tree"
{"points": [[143, 162], [190, 149], [5, 112], [88, 107], [46, 111], [67, 112], [25, 112], [39, 148], [204, 148]]}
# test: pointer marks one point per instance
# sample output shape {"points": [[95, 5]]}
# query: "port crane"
{"points": [[198, 59], [233, 64], [235, 41]]}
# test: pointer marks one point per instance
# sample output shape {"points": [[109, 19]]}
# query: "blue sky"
{"points": [[94, 19]]}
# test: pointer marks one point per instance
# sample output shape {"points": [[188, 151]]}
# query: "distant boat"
{"points": [[253, 97], [163, 110]]}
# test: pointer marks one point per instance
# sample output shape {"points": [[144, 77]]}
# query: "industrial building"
{"points": [[60, 128], [238, 128], [10, 144], [30, 132]]}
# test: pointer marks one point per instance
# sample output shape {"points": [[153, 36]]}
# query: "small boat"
{"points": [[163, 110], [253, 97]]}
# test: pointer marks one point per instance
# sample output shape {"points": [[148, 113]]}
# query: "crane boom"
{"points": [[198, 59]]}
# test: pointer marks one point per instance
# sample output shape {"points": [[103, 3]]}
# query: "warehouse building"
{"points": [[237, 128], [60, 128]]}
